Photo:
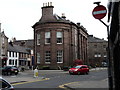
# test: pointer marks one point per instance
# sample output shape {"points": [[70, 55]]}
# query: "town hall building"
{"points": [[58, 41]]}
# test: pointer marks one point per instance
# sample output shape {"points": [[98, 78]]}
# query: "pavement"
{"points": [[28, 76], [103, 84]]}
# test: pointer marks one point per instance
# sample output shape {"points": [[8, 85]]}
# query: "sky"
{"points": [[18, 16]]}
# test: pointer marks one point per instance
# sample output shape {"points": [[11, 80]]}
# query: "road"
{"points": [[57, 78]]}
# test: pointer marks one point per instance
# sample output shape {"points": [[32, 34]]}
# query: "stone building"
{"points": [[97, 54], [3, 47], [57, 41]]}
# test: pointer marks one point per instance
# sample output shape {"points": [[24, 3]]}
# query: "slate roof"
{"points": [[57, 19], [91, 39], [28, 43], [17, 48]]}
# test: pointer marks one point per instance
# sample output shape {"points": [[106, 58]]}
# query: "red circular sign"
{"points": [[99, 12]]}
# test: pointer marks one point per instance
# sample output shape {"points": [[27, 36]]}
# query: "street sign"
{"points": [[99, 12]]}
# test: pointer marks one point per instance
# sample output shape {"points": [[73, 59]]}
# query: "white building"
{"points": [[13, 58]]}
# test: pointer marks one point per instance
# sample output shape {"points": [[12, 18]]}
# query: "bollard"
{"points": [[35, 73]]}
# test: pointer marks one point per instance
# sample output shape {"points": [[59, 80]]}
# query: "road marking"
{"points": [[105, 79], [31, 81], [63, 85]]}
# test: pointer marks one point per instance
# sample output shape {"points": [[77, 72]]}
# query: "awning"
{"points": [[4, 58]]}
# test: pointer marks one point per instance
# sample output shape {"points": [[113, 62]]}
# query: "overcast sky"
{"points": [[18, 16]]}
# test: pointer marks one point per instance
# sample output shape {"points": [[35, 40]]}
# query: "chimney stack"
{"points": [[47, 12]]}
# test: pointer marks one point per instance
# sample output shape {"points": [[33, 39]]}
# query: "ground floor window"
{"points": [[47, 57], [22, 62], [11, 62], [16, 62], [38, 58], [59, 56]]}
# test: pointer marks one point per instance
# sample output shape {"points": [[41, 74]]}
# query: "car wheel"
{"points": [[70, 73], [87, 73], [16, 73], [3, 73], [79, 73], [9, 73]]}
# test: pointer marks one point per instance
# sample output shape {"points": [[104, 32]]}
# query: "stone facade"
{"points": [[97, 51], [3, 47], [57, 41]]}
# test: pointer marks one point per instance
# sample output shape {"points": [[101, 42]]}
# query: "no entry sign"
{"points": [[99, 12]]}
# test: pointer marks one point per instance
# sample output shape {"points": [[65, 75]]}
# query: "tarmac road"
{"points": [[59, 79]]}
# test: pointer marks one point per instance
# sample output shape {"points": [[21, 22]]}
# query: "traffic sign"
{"points": [[99, 12]]}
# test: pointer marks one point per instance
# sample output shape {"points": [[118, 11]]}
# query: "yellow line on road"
{"points": [[62, 86], [31, 81]]}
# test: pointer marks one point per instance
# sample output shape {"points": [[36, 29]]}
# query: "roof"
{"points": [[57, 19], [17, 48], [91, 39], [3, 34], [27, 43], [61, 19]]}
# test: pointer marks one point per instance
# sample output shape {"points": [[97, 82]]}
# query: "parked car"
{"points": [[9, 70], [5, 85], [80, 69]]}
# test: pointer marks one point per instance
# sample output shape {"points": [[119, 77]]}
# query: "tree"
{"points": [[77, 62]]}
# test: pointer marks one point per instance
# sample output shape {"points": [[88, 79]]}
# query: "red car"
{"points": [[80, 69]]}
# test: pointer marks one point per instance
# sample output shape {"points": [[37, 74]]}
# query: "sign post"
{"points": [[99, 12]]}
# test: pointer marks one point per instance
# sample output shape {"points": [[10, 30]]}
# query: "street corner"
{"points": [[85, 84]]}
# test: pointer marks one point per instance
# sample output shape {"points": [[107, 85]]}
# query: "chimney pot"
{"points": [[50, 3], [45, 4], [78, 24], [63, 15]]}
